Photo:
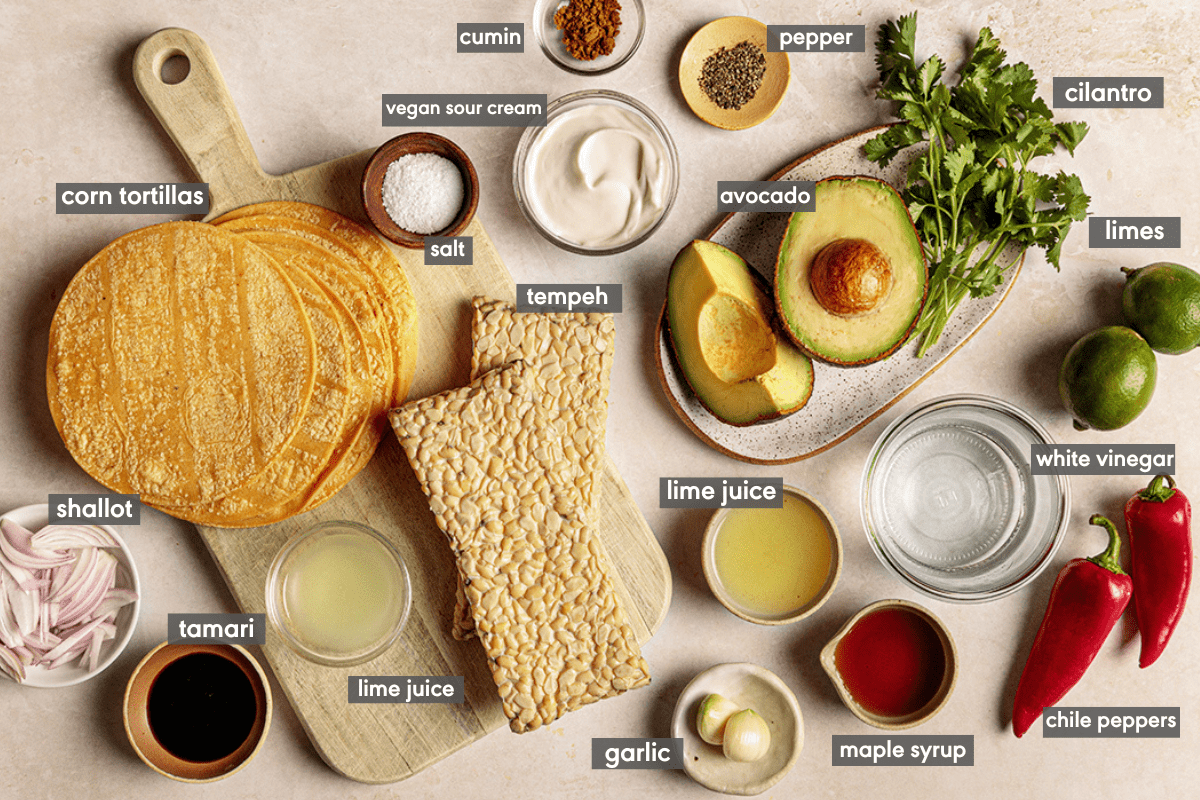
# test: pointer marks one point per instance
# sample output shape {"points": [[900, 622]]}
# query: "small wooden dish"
{"points": [[409, 144], [137, 719], [923, 714], [748, 686], [728, 32]]}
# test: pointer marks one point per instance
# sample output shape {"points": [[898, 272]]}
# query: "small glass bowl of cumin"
{"points": [[625, 43]]}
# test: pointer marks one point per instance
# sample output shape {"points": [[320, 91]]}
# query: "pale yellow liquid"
{"points": [[773, 561], [343, 593]]}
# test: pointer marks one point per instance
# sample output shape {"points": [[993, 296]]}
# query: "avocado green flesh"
{"points": [[851, 208], [740, 367]]}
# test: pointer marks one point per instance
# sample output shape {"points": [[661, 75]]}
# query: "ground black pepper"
{"points": [[731, 77]]}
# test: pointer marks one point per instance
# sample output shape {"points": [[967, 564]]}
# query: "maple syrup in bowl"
{"points": [[894, 664], [950, 502]]}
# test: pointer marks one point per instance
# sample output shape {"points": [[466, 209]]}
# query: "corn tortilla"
{"points": [[181, 363]]}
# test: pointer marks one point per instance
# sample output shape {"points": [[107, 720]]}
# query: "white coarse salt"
{"points": [[422, 192]]}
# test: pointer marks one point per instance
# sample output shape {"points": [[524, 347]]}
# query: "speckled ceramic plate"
{"points": [[844, 398], [728, 32]]}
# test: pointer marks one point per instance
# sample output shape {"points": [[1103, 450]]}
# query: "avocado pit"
{"points": [[850, 277]]}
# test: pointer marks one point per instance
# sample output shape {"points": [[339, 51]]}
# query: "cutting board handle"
{"points": [[199, 114]]}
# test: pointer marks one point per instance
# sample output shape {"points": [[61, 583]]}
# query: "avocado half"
{"points": [[851, 277], [721, 324]]}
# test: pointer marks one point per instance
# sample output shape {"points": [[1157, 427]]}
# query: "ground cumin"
{"points": [[589, 27]]}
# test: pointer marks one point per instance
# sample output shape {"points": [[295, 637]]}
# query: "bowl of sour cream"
{"points": [[600, 176]]}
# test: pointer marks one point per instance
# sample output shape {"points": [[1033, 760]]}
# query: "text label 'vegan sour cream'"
{"points": [[599, 176]]}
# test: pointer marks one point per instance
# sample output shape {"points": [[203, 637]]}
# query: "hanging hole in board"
{"points": [[175, 69]]}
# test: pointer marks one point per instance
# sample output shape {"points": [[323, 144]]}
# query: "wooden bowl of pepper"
{"points": [[727, 76], [589, 37]]}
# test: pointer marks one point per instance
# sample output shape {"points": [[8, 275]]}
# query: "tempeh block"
{"points": [[502, 488], [572, 354]]}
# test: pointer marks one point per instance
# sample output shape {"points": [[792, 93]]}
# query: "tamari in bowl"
{"points": [[937, 698], [550, 39], [535, 140], [950, 503], [724, 588], [146, 743], [411, 144]]}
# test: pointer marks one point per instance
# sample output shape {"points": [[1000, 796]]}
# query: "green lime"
{"points": [[1107, 378], [1162, 303]]}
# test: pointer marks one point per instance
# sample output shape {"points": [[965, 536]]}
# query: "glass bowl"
{"points": [[633, 28], [950, 504], [338, 593], [536, 139]]}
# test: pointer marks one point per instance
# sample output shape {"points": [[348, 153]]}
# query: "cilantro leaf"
{"points": [[971, 191]]}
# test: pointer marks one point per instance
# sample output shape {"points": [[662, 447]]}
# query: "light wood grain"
{"points": [[368, 742]]}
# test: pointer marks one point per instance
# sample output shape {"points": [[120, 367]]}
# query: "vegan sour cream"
{"points": [[598, 176]]}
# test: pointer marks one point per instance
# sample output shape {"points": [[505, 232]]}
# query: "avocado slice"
{"points": [[722, 327], [851, 278]]}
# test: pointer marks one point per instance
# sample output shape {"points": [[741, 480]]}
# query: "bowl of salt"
{"points": [[418, 185]]}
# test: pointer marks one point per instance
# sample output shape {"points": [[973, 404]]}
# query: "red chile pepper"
{"points": [[1088, 598], [1159, 522]]}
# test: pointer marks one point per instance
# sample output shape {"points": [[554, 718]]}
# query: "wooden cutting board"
{"points": [[369, 742]]}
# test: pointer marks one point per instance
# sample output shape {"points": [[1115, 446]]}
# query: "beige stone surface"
{"points": [[307, 78]]}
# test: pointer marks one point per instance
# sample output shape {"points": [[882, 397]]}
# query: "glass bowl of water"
{"points": [[950, 503]]}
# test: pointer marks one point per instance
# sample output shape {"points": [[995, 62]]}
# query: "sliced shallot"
{"points": [[58, 596]]}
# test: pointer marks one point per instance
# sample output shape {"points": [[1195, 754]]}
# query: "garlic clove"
{"points": [[715, 711], [747, 737]]}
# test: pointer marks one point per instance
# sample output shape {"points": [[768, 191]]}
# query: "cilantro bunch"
{"points": [[971, 192]]}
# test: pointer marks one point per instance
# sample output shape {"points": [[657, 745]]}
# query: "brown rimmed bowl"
{"points": [[137, 719], [713, 577], [927, 711], [406, 145]]}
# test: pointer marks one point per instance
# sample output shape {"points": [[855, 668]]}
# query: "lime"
{"points": [[1162, 303], [1107, 378]]}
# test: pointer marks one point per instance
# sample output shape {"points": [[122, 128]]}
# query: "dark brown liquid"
{"points": [[201, 707]]}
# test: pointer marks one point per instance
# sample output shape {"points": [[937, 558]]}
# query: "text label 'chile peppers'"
{"points": [[1088, 598], [1159, 522]]}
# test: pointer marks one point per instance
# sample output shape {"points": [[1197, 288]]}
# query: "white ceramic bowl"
{"points": [[36, 517], [748, 686], [940, 697]]}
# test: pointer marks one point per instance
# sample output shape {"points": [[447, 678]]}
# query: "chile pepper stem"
{"points": [[1156, 492], [1109, 558]]}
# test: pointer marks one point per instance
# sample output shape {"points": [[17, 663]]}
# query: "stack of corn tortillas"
{"points": [[235, 373]]}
